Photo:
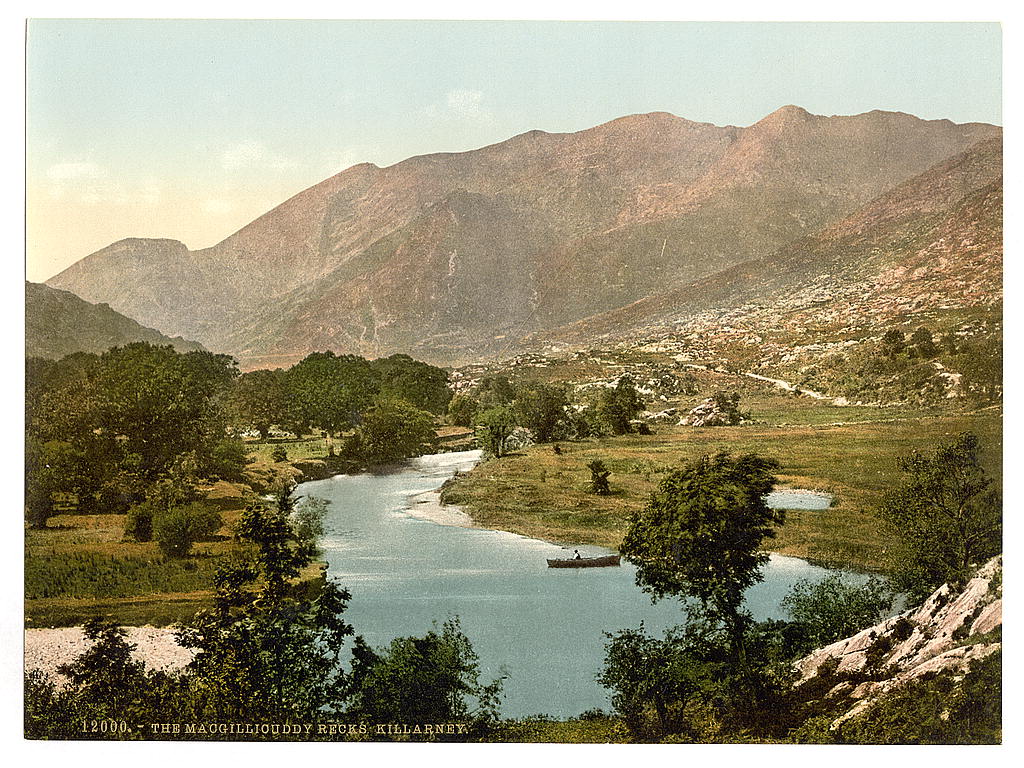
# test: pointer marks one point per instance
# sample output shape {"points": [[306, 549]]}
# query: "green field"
{"points": [[80, 566], [537, 493]]}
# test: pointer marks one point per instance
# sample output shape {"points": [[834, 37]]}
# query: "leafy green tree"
{"points": [[264, 652], [462, 410], [307, 518], [138, 525], [50, 468], [619, 405], [831, 609], [394, 429], [540, 408], [494, 428], [429, 679], [946, 513], [226, 459], [422, 385], [494, 391], [669, 685], [330, 392], [161, 404], [259, 400], [893, 342], [729, 405], [700, 536]]}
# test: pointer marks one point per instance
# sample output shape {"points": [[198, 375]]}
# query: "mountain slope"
{"points": [[934, 241], [58, 323], [454, 255]]}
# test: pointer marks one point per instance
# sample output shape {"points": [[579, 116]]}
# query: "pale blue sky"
{"points": [[189, 129]]}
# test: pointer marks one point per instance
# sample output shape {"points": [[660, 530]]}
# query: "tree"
{"points": [[893, 342], [259, 400], [832, 608], [700, 536], [394, 429], [924, 344], [265, 652], [495, 426], [599, 478], [494, 391], [160, 404], [619, 405], [729, 406], [945, 513], [50, 468], [329, 392], [659, 685], [462, 410], [429, 679], [178, 528], [540, 408], [422, 385]]}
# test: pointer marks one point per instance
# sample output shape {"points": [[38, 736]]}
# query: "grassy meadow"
{"points": [[849, 452], [81, 566]]}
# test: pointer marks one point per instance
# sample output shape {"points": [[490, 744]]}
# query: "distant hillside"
{"points": [[58, 323], [932, 243], [454, 255]]}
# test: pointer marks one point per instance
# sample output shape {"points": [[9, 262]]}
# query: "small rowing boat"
{"points": [[584, 562]]}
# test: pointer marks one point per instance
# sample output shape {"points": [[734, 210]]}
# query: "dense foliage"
{"points": [[833, 608], [540, 408], [946, 514], [619, 405], [700, 534], [101, 429], [393, 429], [495, 426]]}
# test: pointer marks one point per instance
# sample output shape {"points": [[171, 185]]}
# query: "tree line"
{"points": [[496, 407], [105, 433]]}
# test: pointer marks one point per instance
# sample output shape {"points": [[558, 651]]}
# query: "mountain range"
{"points": [[455, 256], [59, 323]]}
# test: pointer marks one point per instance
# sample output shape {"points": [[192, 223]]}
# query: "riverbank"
{"points": [[428, 506], [537, 493]]}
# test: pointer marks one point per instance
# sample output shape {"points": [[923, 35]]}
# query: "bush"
{"points": [[139, 525], [227, 460], [177, 529], [279, 454], [599, 478], [832, 609]]}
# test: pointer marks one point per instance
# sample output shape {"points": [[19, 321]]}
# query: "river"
{"points": [[542, 627]]}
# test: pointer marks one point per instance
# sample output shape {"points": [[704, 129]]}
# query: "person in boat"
{"points": [[576, 555]]}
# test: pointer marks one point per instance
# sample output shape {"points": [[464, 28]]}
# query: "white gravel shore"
{"points": [[47, 649], [428, 506]]}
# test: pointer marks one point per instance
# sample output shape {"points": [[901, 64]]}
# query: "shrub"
{"points": [[177, 529], [139, 525], [227, 460], [279, 454], [599, 478]]}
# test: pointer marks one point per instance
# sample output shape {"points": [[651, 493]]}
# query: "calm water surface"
{"points": [[542, 626]]}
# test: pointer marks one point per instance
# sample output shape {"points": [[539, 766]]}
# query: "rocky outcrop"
{"points": [[948, 632], [710, 413]]}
